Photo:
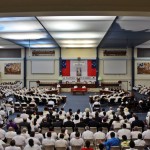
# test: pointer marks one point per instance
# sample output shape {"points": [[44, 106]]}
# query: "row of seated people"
{"points": [[63, 139], [116, 97], [102, 119], [144, 90], [42, 98]]}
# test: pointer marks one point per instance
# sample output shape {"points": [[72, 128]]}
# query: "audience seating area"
{"points": [[60, 129]]}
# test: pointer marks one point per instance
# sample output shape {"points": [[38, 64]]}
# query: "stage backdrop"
{"points": [[85, 70], [143, 68]]}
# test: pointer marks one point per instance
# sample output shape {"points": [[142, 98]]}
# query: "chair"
{"points": [[140, 147], [104, 130], [116, 129], [60, 148], [44, 130], [48, 147], [70, 130], [76, 147], [57, 129], [17, 107], [93, 129], [115, 148], [139, 129], [81, 129], [126, 147], [96, 107]]}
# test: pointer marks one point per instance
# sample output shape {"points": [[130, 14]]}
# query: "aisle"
{"points": [[77, 101]]}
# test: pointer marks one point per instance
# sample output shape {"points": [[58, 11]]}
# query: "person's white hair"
{"points": [[87, 110]]}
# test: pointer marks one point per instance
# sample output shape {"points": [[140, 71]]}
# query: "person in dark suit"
{"points": [[94, 123], [69, 123], [87, 119], [44, 123], [81, 123], [138, 123], [105, 124], [25, 124], [57, 122]]}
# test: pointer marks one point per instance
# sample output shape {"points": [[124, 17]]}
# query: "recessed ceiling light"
{"points": [[77, 35]]}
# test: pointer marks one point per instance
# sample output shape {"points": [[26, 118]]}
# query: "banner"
{"points": [[83, 68], [143, 68], [43, 52]]}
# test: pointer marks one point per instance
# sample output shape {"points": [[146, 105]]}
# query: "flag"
{"points": [[91, 67], [65, 67]]}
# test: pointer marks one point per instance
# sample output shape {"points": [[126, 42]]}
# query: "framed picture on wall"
{"points": [[12, 68], [143, 68]]}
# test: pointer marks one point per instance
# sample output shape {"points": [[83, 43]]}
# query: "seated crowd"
{"points": [[67, 129]]}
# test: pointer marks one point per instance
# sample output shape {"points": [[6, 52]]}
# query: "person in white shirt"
{"points": [[124, 131], [132, 145], [116, 123], [48, 140], [2, 133], [61, 142], [135, 132], [146, 134], [12, 146], [25, 133], [36, 141], [19, 139], [87, 134], [73, 134], [1, 147], [51, 103], [32, 146], [24, 115], [99, 135], [2, 112], [53, 133], [11, 133], [38, 135], [18, 119], [77, 140], [139, 141]]}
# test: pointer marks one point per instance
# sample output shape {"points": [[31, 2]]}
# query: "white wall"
{"points": [[126, 78], [74, 54]]}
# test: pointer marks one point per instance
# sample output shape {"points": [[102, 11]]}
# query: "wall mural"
{"points": [[143, 68], [12, 68]]}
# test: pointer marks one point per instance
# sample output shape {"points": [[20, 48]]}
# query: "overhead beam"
{"points": [[107, 33], [31, 6], [48, 32]]}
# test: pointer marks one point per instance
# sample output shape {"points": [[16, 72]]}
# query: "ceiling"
{"points": [[74, 32]]}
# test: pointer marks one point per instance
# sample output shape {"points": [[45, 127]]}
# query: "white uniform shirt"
{"points": [[146, 134], [134, 134], [34, 147], [76, 142], [139, 142], [12, 148], [18, 120], [122, 132], [10, 134], [19, 140], [87, 134], [99, 135], [2, 134], [48, 141]]}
